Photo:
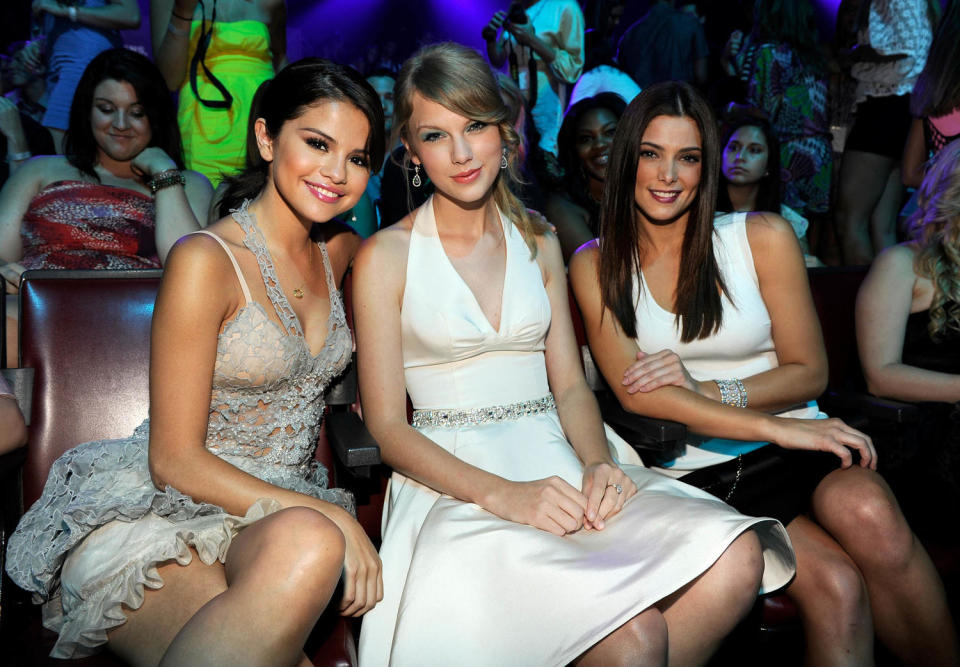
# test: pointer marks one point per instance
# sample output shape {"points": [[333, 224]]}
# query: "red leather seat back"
{"points": [[87, 335]]}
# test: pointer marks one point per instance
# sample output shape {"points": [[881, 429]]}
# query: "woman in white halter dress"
{"points": [[473, 575]]}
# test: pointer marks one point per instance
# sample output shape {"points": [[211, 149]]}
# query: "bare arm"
{"points": [[179, 210], [116, 14], [912, 167], [13, 430], [576, 404], [379, 277], [278, 34], [183, 349], [170, 22], [614, 351], [15, 197], [570, 222], [883, 305], [495, 49]]}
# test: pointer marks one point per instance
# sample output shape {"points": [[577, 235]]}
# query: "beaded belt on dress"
{"points": [[477, 416]]}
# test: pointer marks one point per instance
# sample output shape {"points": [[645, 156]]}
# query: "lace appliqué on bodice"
{"points": [[267, 399]]}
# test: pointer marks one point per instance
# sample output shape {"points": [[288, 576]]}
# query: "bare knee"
{"points": [[299, 549], [865, 518], [739, 571]]}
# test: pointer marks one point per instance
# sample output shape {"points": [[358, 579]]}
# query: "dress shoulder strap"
{"points": [[233, 260]]}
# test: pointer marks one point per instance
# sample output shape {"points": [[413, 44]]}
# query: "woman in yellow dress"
{"points": [[216, 54]]}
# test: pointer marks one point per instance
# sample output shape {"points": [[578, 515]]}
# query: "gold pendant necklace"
{"points": [[298, 291]]}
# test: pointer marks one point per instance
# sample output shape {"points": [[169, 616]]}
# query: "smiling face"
{"points": [[592, 141], [121, 128], [318, 161], [745, 156], [668, 169], [460, 155]]}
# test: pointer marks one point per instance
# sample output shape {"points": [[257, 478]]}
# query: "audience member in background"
{"points": [[935, 102], [692, 317], [216, 55], [751, 172], [216, 503], [585, 139], [908, 329], [667, 44], [24, 80], [13, 429], [601, 74], [74, 33], [893, 39], [780, 62], [542, 42], [20, 135], [513, 508], [382, 80], [119, 198]]}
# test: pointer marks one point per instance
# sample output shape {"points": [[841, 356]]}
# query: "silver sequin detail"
{"points": [[477, 416]]}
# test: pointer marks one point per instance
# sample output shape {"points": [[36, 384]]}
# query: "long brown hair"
{"points": [[457, 78], [699, 284]]}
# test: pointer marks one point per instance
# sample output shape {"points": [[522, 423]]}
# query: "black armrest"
{"points": [[353, 446], [656, 440], [842, 403]]}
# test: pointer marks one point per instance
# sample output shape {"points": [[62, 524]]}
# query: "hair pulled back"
{"points": [[295, 88], [768, 195], [935, 226], [80, 146], [457, 78], [698, 303]]}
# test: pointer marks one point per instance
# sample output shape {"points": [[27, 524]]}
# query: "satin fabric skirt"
{"points": [[465, 587]]}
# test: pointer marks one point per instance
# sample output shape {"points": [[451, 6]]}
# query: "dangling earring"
{"points": [[416, 176], [503, 159]]}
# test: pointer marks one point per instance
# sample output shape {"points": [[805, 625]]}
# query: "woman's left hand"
{"points": [[150, 161], [607, 488], [11, 272], [651, 371]]}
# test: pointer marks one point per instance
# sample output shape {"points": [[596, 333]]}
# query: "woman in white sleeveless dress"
{"points": [[692, 317], [514, 532]]}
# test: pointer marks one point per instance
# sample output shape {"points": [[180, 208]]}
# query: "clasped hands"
{"points": [[523, 32], [554, 505]]}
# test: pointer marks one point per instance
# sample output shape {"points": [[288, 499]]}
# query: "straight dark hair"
{"points": [[292, 91], [937, 90], [80, 147], [699, 284], [768, 196]]}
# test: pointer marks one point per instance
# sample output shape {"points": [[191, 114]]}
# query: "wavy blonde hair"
{"points": [[457, 78], [935, 227]]}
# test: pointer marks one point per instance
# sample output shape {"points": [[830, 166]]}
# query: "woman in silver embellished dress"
{"points": [[213, 517]]}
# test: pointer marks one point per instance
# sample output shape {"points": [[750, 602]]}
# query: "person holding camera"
{"points": [[543, 43]]}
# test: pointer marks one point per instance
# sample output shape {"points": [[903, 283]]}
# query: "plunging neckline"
{"points": [[265, 261], [506, 270]]}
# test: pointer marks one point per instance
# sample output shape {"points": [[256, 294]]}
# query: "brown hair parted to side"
{"points": [[699, 284], [457, 78]]}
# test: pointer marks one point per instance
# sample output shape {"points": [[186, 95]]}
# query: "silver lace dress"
{"points": [[95, 537]]}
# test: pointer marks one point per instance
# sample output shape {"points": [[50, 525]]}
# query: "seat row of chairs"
{"points": [[84, 366]]}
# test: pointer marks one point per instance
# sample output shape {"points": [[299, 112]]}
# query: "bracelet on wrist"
{"points": [[182, 18], [166, 179], [732, 392], [72, 13], [19, 157]]}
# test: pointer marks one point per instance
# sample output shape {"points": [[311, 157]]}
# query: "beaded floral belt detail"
{"points": [[477, 416]]}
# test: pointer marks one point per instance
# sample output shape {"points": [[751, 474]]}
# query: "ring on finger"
{"points": [[617, 488]]}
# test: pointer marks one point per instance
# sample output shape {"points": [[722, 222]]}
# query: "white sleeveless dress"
{"points": [[465, 587]]}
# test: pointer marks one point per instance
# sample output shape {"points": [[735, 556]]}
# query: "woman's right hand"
{"points": [[826, 435], [11, 272], [549, 504], [490, 30], [362, 569]]}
